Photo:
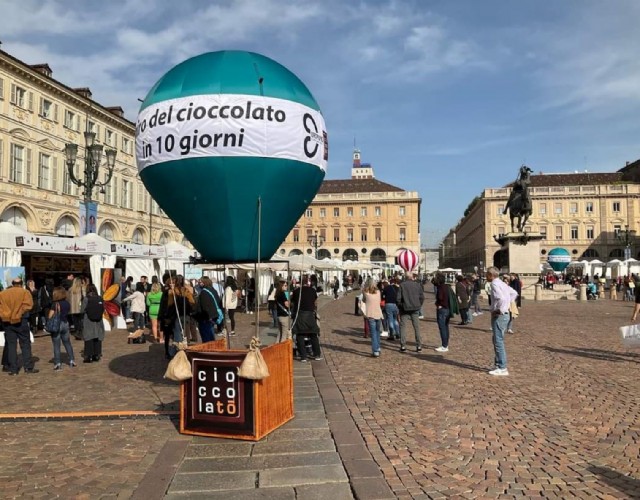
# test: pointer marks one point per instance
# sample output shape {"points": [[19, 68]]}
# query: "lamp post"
{"points": [[92, 160], [316, 242], [626, 237]]}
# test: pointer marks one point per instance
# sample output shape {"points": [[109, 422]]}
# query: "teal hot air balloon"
{"points": [[217, 133], [559, 259]]}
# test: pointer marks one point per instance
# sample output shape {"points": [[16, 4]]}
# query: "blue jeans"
{"points": [[443, 318], [510, 324], [391, 310], [62, 335], [375, 327], [499, 326], [206, 330], [138, 321], [405, 317]]}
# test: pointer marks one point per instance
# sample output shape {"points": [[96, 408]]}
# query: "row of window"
{"points": [[350, 234], [574, 232], [47, 109], [117, 191], [67, 226], [377, 212], [573, 208]]}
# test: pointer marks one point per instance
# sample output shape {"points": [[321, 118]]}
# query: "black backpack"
{"points": [[95, 308]]}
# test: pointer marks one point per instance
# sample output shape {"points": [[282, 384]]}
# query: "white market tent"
{"points": [[102, 253]]}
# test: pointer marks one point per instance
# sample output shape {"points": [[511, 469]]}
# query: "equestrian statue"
{"points": [[519, 204]]}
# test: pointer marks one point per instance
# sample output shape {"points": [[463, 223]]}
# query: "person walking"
{"points": [[75, 294], [336, 287], [209, 310], [153, 304], [443, 311], [62, 307], [44, 302], [303, 308], [15, 305], [33, 314], [283, 312], [475, 296], [137, 307], [92, 325], [390, 297], [501, 297], [372, 298], [231, 302], [464, 299], [515, 283], [409, 300]]}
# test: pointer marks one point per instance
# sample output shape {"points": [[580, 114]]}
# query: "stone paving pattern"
{"points": [[564, 424]]}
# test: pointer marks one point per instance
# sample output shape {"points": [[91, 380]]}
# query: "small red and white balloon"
{"points": [[408, 260]]}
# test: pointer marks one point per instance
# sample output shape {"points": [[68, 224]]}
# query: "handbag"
{"points": [[363, 307], [179, 368], [52, 324], [254, 366], [630, 335]]}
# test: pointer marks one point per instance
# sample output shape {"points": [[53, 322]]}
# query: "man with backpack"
{"points": [[208, 310], [92, 324]]}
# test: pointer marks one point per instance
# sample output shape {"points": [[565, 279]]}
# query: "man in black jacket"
{"points": [[303, 309], [209, 310], [410, 298]]}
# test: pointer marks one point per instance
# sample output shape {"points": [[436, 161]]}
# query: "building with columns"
{"points": [[38, 116], [592, 215], [358, 219]]}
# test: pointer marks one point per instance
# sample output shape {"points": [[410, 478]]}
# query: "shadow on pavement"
{"points": [[148, 365], [441, 359], [594, 354], [625, 484], [331, 347]]}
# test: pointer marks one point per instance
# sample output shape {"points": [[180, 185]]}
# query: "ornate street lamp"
{"points": [[92, 160], [626, 237], [316, 242]]}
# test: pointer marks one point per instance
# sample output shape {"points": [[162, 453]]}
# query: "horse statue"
{"points": [[519, 203]]}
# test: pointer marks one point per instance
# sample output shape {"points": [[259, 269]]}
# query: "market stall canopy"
{"points": [[8, 233], [101, 245], [330, 265], [614, 262]]}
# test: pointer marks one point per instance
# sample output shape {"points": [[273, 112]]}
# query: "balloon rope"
{"points": [[257, 287]]}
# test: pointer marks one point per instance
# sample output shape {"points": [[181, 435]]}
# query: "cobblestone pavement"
{"points": [[565, 423]]}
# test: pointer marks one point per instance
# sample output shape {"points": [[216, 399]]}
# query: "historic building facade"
{"points": [[358, 219], [38, 116], [592, 215]]}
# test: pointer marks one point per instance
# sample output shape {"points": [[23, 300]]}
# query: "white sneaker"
{"points": [[479, 313], [474, 314], [509, 331], [500, 372], [420, 317], [442, 349]]}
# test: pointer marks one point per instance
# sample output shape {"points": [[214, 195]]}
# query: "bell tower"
{"points": [[360, 170]]}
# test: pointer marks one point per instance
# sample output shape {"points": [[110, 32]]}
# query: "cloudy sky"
{"points": [[445, 97]]}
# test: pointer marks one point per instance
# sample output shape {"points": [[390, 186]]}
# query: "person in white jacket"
{"points": [[230, 300], [138, 307]]}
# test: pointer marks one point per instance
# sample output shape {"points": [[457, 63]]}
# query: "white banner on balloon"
{"points": [[230, 125]]}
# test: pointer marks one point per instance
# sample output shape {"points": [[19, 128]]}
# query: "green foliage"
{"points": [[471, 205]]}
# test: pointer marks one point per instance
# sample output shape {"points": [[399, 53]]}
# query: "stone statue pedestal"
{"points": [[520, 254]]}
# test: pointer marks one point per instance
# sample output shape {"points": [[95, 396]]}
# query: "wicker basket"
{"points": [[272, 397]]}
